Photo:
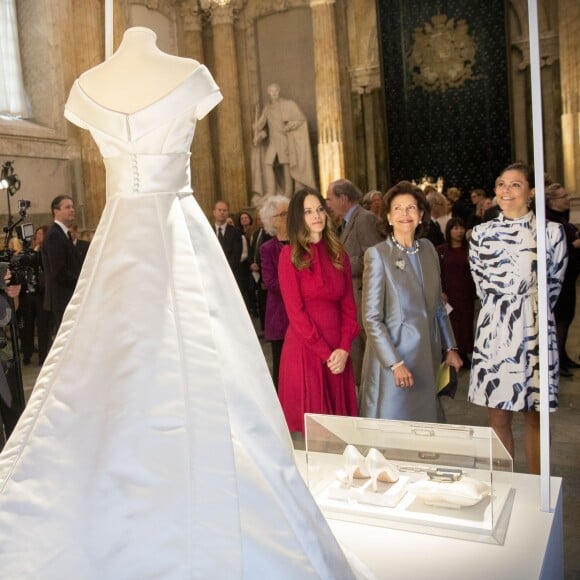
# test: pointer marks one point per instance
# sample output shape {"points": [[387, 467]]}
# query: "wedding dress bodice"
{"points": [[147, 151]]}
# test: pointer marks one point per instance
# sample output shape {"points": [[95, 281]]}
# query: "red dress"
{"points": [[321, 310]]}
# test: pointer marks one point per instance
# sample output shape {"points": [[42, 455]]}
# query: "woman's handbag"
{"points": [[446, 385]]}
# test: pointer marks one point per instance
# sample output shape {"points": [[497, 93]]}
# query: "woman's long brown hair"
{"points": [[299, 235]]}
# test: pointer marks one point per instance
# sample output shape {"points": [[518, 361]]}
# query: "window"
{"points": [[13, 102]]}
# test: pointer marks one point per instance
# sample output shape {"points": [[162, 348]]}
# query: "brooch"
{"points": [[400, 263]]}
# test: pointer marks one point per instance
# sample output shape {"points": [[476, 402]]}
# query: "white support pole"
{"points": [[538, 137], [108, 28]]}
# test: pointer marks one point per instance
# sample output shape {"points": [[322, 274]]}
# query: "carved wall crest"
{"points": [[442, 55]]}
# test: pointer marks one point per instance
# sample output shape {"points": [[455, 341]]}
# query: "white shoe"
{"points": [[354, 466], [380, 469]]}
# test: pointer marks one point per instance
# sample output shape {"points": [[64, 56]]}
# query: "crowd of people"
{"points": [[367, 296], [362, 298], [43, 272], [46, 268]]}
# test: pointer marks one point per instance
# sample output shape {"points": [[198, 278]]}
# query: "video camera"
{"points": [[21, 262], [12, 399], [22, 267], [24, 231], [9, 181]]}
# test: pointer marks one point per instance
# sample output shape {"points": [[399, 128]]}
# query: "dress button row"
{"points": [[136, 179]]}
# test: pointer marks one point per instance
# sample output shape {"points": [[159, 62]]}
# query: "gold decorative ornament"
{"points": [[442, 55]]}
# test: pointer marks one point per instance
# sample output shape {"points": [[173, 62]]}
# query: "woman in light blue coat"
{"points": [[408, 330]]}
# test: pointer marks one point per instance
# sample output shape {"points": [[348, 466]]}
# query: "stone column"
{"points": [[569, 20], [89, 43], [233, 185], [89, 31], [202, 165], [365, 81], [328, 106]]}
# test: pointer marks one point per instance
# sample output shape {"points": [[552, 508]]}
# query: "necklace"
{"points": [[412, 251]]}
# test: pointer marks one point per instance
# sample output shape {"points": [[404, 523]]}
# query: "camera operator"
{"points": [[28, 268], [12, 255], [11, 401]]}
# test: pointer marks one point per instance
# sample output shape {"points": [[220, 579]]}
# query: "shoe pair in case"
{"points": [[374, 467]]}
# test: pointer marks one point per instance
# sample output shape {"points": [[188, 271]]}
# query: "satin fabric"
{"points": [[153, 445], [404, 319]]}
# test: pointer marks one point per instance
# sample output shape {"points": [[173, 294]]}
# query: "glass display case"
{"points": [[450, 480]]}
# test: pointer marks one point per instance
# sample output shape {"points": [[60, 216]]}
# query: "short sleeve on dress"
{"points": [[74, 103], [208, 91], [197, 93]]}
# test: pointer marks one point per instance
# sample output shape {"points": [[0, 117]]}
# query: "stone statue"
{"points": [[282, 158]]}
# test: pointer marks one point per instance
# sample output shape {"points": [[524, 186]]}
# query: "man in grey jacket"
{"points": [[358, 231]]}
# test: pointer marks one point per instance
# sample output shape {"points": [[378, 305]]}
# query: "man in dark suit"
{"points": [[230, 238], [358, 232], [259, 237], [60, 260], [436, 202]]}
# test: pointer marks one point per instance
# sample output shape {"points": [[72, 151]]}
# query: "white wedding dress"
{"points": [[153, 445]]}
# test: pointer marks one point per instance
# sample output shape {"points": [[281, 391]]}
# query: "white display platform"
{"points": [[533, 546]]}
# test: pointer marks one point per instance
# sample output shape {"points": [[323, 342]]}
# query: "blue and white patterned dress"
{"points": [[503, 261]]}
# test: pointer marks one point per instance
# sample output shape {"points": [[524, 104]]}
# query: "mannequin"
{"points": [[144, 451], [137, 74]]}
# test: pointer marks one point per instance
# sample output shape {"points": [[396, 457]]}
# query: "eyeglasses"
{"points": [[281, 214], [399, 209], [564, 196]]}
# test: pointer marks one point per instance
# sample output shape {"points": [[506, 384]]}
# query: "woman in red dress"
{"points": [[315, 279], [457, 285]]}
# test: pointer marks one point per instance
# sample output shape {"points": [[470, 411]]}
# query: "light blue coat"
{"points": [[404, 319]]}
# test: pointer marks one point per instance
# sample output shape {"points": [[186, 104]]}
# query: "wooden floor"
{"points": [[565, 437]]}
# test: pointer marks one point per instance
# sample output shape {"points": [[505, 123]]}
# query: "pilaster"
{"points": [[231, 164], [202, 163], [569, 20], [328, 105], [90, 51], [89, 42]]}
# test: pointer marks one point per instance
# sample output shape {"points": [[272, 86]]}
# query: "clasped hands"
{"points": [[337, 361]]}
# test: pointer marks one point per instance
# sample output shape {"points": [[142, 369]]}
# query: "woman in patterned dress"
{"points": [[503, 260]]}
